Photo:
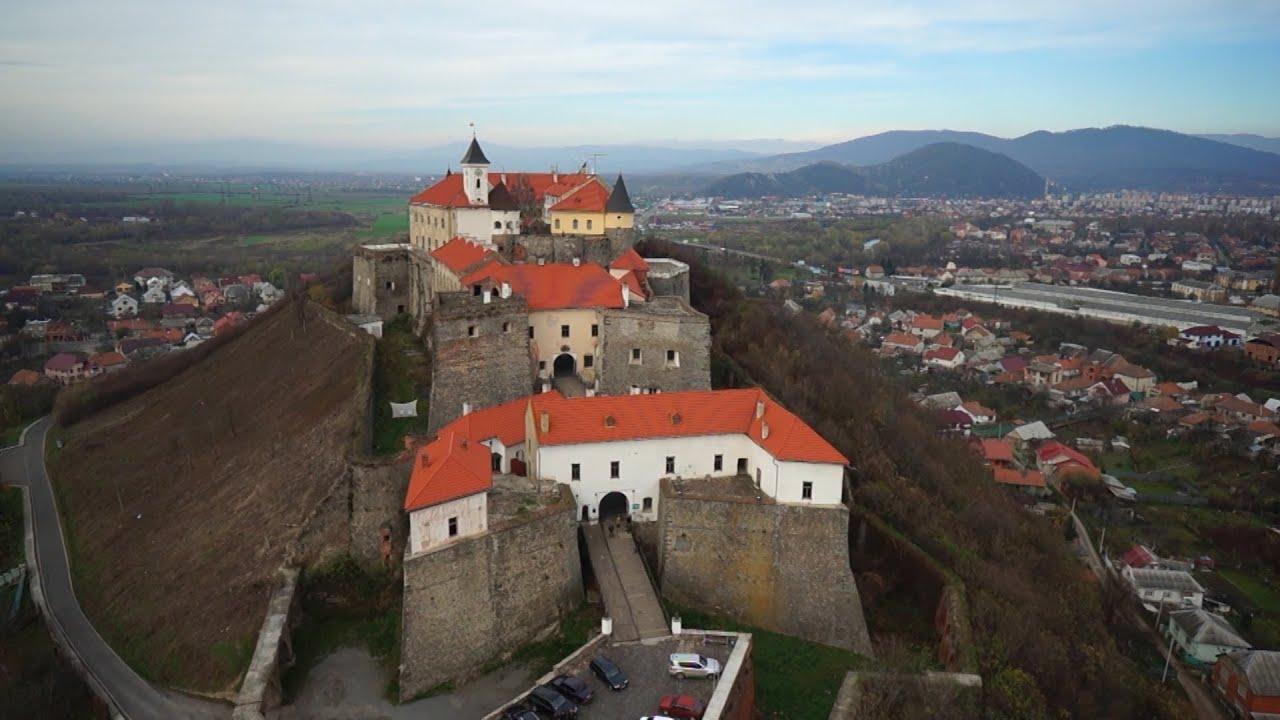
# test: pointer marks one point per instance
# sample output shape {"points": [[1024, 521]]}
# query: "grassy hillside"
{"points": [[180, 502], [1042, 643]]}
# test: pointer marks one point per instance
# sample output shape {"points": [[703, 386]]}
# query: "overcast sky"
{"points": [[404, 75]]}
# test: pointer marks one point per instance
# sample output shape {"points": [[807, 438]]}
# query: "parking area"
{"points": [[645, 665]]}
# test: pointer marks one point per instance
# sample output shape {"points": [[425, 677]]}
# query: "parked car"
{"points": [[684, 665], [573, 688], [521, 711], [681, 707], [550, 703], [609, 673]]}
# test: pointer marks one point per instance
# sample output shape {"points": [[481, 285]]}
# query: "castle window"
{"points": [[588, 224], [575, 471], [719, 463], [471, 331], [806, 491], [542, 364], [673, 358], [588, 361], [530, 332], [648, 504], [497, 224], [575, 223], [615, 469], [557, 223], [475, 290], [635, 356], [453, 527], [391, 285], [477, 183], [506, 327], [671, 464], [564, 331], [595, 330]]}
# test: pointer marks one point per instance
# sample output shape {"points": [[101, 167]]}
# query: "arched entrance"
{"points": [[613, 505], [564, 365]]}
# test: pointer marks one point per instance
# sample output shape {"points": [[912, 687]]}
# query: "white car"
{"points": [[684, 665]]}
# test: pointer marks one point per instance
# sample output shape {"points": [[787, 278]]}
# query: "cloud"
{"points": [[390, 73]]}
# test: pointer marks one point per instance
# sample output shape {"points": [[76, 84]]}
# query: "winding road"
{"points": [[110, 677]]}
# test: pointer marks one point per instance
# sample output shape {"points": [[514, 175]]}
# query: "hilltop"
{"points": [[181, 503], [945, 168], [1087, 159]]}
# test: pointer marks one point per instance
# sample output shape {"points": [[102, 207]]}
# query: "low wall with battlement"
{"points": [[776, 566], [478, 600]]}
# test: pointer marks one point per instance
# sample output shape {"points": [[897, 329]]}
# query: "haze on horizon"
{"points": [[80, 78]]}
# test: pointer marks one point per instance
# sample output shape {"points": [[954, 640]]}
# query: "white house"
{"points": [[1208, 337], [614, 451], [1175, 587], [448, 492], [181, 289], [1204, 635], [947, 358], [123, 306], [154, 294], [144, 277]]}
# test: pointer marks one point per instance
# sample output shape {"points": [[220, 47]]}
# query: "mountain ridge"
{"points": [[1086, 159], [937, 169]]}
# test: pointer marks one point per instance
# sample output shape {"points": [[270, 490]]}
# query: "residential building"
{"points": [[614, 451], [947, 358], [1203, 635], [1249, 682], [123, 306], [1200, 290], [1208, 337], [1264, 349], [1175, 587]]}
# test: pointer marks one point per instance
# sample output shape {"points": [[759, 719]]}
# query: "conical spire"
{"points": [[474, 156], [619, 200]]}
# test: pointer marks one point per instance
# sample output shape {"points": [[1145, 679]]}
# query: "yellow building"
{"points": [[591, 209]]}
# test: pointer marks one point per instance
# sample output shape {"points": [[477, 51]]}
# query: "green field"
{"points": [[1261, 593], [389, 224]]}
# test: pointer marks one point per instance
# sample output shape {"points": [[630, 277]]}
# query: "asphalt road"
{"points": [[134, 697]]}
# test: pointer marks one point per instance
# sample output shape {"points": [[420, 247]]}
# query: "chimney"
{"points": [[505, 291], [626, 296], [544, 421], [466, 408], [759, 409], [764, 431]]}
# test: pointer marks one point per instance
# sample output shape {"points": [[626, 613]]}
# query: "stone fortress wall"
{"points": [[481, 354], [657, 327], [476, 601], [780, 567]]}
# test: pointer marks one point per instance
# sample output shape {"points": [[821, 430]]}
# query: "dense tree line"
{"points": [[1043, 646]]}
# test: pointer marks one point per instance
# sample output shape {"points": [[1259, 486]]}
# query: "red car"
{"points": [[681, 706]]}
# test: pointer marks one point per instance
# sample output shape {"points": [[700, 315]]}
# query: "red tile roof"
{"points": [[25, 377], [946, 354], [629, 260], [588, 197], [447, 192], [450, 467], [108, 359], [606, 418], [926, 322], [554, 286], [994, 451], [902, 339], [460, 254], [633, 283], [1013, 476]]}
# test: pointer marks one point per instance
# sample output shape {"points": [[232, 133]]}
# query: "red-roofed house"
{"points": [[895, 343], [995, 453], [1058, 460], [448, 491], [925, 326], [614, 450], [27, 378], [66, 368], [947, 358], [1031, 481]]}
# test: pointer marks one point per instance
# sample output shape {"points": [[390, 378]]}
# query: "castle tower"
{"points": [[475, 169]]}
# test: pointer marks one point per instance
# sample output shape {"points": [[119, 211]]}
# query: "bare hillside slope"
{"points": [[181, 503]]}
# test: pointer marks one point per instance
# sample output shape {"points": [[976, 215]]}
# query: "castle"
{"points": [[571, 384], [522, 281]]}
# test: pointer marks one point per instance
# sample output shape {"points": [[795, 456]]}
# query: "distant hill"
{"points": [[1089, 159], [947, 168], [1256, 142]]}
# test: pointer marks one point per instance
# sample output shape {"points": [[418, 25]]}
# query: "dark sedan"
{"points": [[609, 673], [573, 688]]}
